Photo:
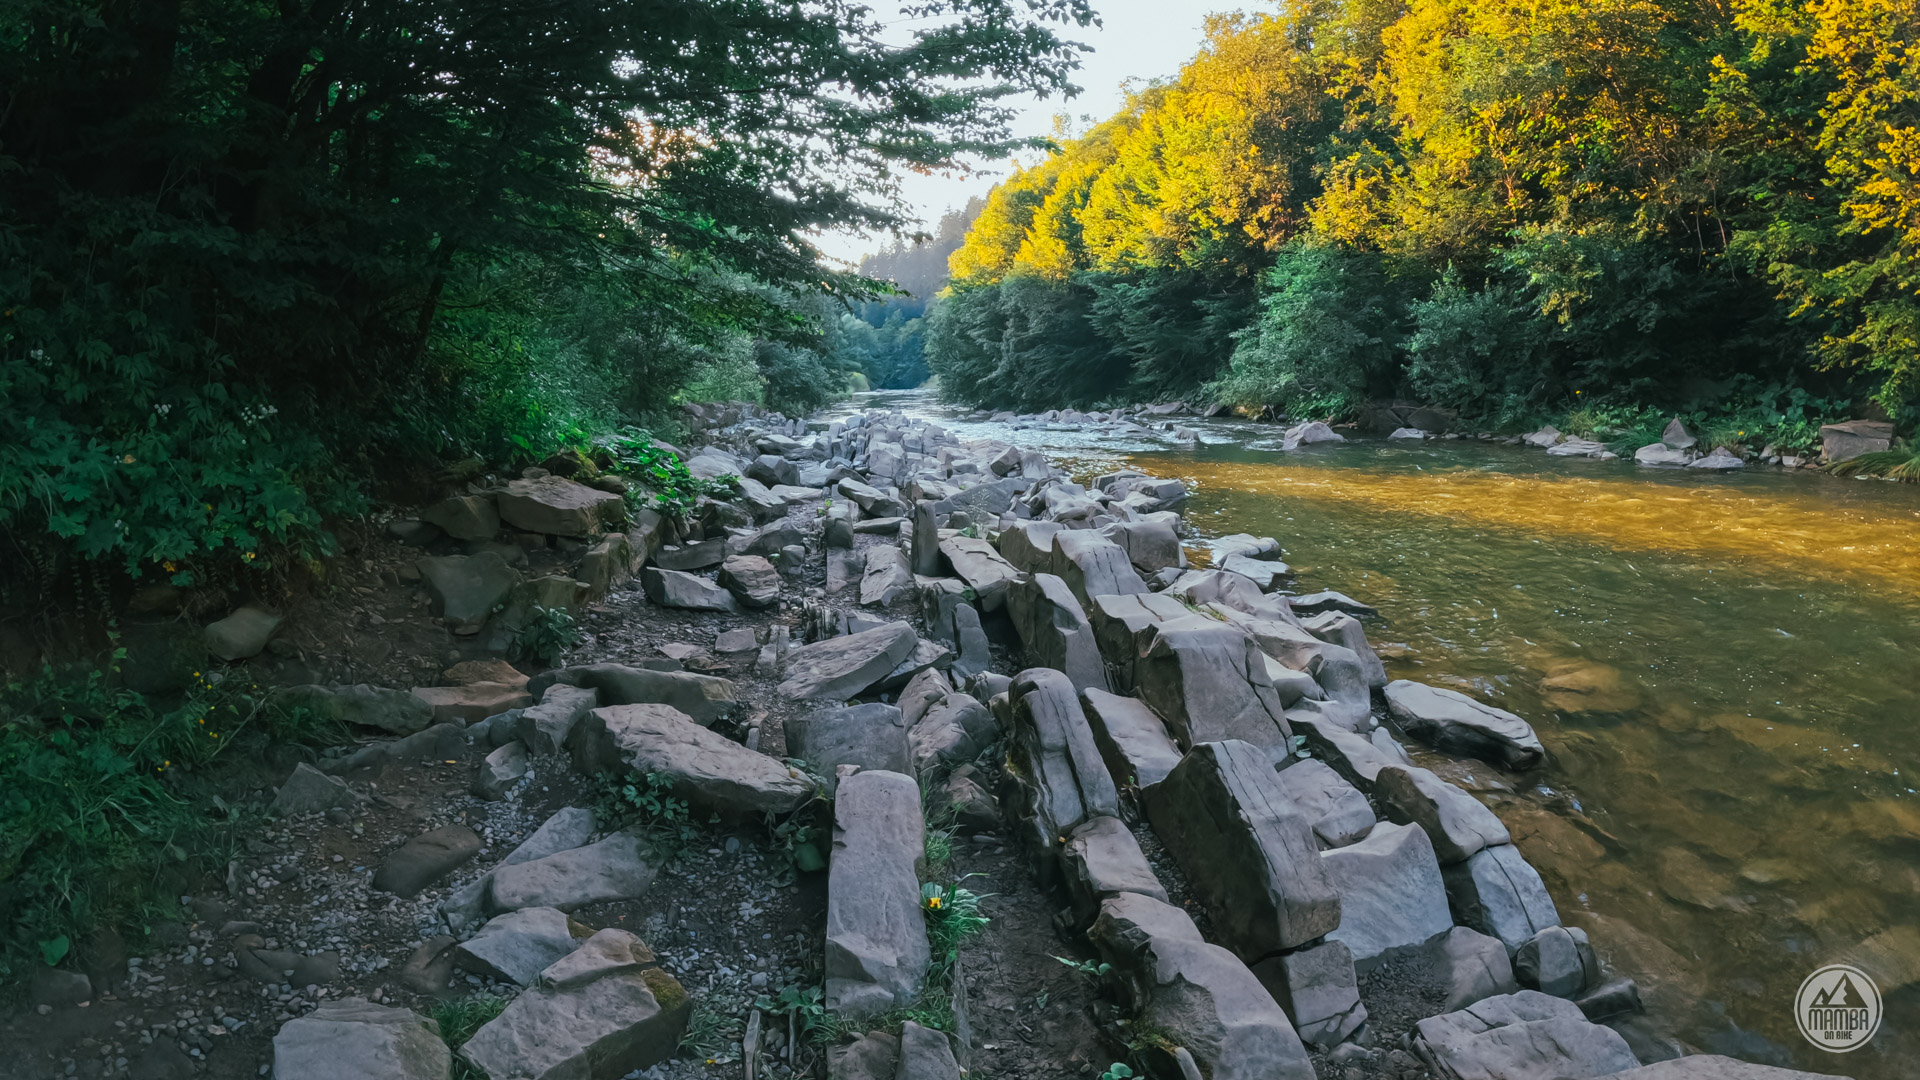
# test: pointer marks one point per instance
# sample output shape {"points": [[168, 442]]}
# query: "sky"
{"points": [[1140, 39]]}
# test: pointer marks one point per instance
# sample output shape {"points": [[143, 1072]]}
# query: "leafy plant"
{"points": [[712, 1036], [1117, 1071], [807, 1006], [1903, 465], [648, 807], [660, 472], [546, 637], [1091, 970]]}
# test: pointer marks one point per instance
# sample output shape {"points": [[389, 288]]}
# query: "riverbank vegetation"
{"points": [[1601, 212]]}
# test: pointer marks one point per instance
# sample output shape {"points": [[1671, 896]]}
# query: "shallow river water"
{"points": [[1724, 669]]}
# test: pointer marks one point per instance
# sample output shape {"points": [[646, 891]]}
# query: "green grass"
{"points": [[1902, 465], [459, 1020]]}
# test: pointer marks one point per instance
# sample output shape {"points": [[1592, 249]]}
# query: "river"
{"points": [[1724, 668]]}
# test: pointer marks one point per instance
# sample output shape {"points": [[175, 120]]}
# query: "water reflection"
{"points": [[1723, 668]]}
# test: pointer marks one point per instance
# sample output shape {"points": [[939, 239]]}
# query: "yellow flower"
{"points": [[934, 903], [128, 460]]}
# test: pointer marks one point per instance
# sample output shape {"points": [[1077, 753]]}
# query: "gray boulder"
{"points": [[674, 589], [607, 952], [925, 1054], [1209, 683], [1660, 455], [1249, 854], [1453, 722], [1092, 565], [877, 950], [543, 728], [467, 589], [1123, 628], [360, 705], [873, 1056], [557, 506], [1458, 824], [871, 736], [567, 829], [354, 1039], [1677, 436], [242, 634], [887, 577], [616, 868], [1132, 740], [710, 771], [1057, 768], [1520, 1036], [503, 768], [1318, 989], [1559, 961], [1198, 994], [464, 517], [926, 540], [1028, 545], [1329, 600], [1391, 892], [981, 567], [601, 1030], [751, 579], [1473, 966], [426, 859], [310, 791], [1245, 544], [698, 555], [1055, 630], [1100, 859], [702, 697], [1151, 545], [951, 733], [517, 946], [1357, 758], [1266, 575], [1342, 629], [1721, 460], [1848, 440], [1500, 894], [1339, 813], [842, 667]]}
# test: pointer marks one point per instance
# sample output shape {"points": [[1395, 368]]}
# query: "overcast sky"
{"points": [[1140, 39]]}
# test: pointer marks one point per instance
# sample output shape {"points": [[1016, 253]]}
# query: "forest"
{"points": [[1599, 211]]}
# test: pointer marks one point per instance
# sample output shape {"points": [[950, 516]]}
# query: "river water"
{"points": [[1725, 670]]}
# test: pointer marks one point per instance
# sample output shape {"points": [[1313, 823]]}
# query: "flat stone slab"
{"points": [[1391, 892], [556, 506], [567, 829], [1209, 683], [1524, 1034], [841, 667], [617, 868], [544, 728], [1132, 740], [1458, 823], [1102, 858], [870, 736], [473, 702], [517, 946], [602, 1030], [710, 771], [426, 859], [877, 950], [977, 563], [1453, 722], [689, 592], [703, 698], [354, 1039]]}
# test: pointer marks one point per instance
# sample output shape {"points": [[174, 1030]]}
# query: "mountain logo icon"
{"points": [[1838, 1008]]}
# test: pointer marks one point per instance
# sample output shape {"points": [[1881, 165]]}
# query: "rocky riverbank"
{"points": [[808, 735]]}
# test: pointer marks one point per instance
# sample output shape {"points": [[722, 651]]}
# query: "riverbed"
{"points": [[1724, 668]]}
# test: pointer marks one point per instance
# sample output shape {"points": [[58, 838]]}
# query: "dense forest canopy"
{"points": [[1510, 207], [253, 255], [886, 339]]}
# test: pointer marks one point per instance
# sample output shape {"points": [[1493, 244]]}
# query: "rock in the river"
{"points": [[604, 1029], [1520, 1036], [394, 711], [1497, 892], [1319, 990], [464, 517], [710, 771], [1329, 600], [1451, 721], [517, 946], [870, 736], [841, 667], [1391, 892], [1559, 961], [426, 859], [544, 728], [751, 579], [616, 868], [1458, 824], [674, 589], [1101, 858], [466, 589], [354, 1039], [1249, 853], [1473, 966], [1132, 740], [1846, 441], [1209, 682], [1721, 460], [887, 577], [1092, 565], [309, 791], [1660, 455], [1198, 994], [977, 563], [1339, 813], [1357, 758], [1265, 574], [704, 698], [1342, 629], [242, 634], [504, 767], [557, 506], [1058, 770], [877, 950], [1713, 1067], [1055, 630]]}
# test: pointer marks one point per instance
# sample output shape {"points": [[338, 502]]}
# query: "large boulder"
{"points": [[1500, 894], [354, 1039], [593, 1028], [1055, 630], [981, 567], [1319, 989], [1093, 565], [1342, 629], [1100, 859], [1151, 545], [464, 517], [1471, 965], [1559, 961], [870, 736], [1339, 813], [842, 667], [1123, 628], [517, 946], [557, 506], [242, 634], [1451, 721], [1520, 1036], [1028, 545], [1458, 824], [888, 577], [708, 770], [543, 728], [704, 698], [751, 579], [466, 589], [1661, 456], [426, 859], [951, 734], [1391, 892], [1249, 853], [394, 711], [675, 589], [877, 949], [1132, 740], [1197, 994], [617, 868], [1209, 682], [1055, 763], [1848, 440]]}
